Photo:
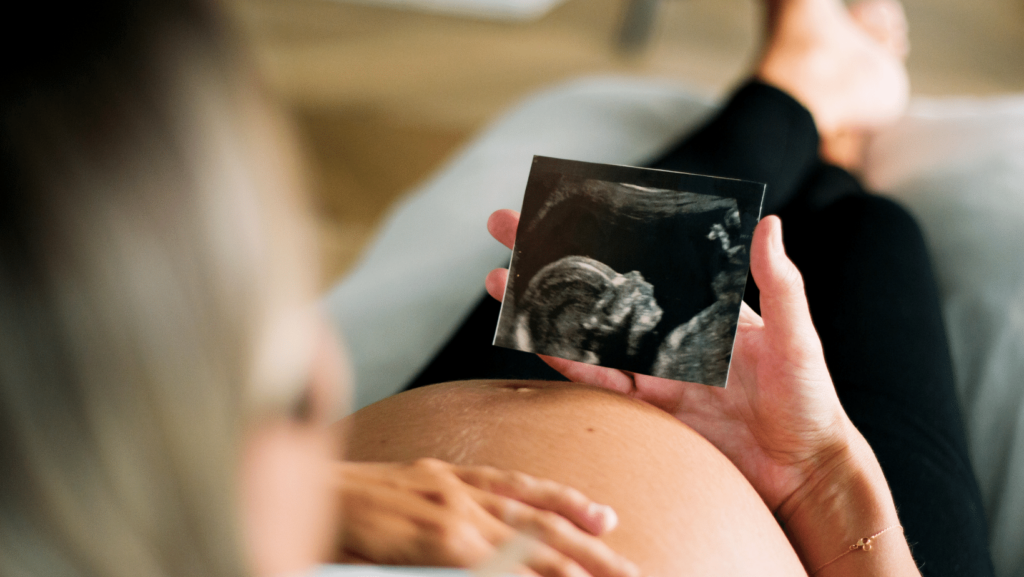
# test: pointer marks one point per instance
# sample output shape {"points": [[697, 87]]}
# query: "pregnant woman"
{"points": [[165, 383]]}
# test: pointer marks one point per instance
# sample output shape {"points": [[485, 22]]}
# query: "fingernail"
{"points": [[605, 516]]}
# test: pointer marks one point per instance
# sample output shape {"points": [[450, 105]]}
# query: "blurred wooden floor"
{"points": [[382, 97]]}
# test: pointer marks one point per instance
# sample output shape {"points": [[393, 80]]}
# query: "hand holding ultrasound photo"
{"points": [[630, 268]]}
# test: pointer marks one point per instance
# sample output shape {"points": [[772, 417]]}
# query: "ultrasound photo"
{"points": [[630, 268]]}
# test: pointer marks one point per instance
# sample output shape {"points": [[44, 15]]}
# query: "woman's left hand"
{"points": [[432, 513], [779, 419]]}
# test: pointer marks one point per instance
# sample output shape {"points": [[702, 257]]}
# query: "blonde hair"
{"points": [[146, 239]]}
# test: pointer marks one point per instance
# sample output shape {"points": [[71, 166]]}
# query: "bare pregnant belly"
{"points": [[684, 508]]}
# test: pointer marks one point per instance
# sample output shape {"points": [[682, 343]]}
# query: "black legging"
{"points": [[874, 302]]}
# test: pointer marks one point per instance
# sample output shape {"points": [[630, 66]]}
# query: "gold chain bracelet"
{"points": [[863, 544]]}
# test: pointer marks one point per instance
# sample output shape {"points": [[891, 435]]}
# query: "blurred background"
{"points": [[383, 92]]}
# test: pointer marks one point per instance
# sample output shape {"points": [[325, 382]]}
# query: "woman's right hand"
{"points": [[432, 513]]}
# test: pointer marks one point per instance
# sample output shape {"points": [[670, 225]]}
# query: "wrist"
{"points": [[844, 500]]}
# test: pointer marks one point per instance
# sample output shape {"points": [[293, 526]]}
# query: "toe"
{"points": [[886, 22]]}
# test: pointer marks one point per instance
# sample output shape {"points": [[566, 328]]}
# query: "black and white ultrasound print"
{"points": [[630, 268]]}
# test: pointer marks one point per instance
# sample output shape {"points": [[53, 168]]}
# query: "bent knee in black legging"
{"points": [[874, 301], [871, 289]]}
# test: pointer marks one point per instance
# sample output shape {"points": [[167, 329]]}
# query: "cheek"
{"points": [[289, 504]]}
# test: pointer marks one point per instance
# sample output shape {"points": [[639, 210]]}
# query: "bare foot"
{"points": [[845, 66], [885, 21]]}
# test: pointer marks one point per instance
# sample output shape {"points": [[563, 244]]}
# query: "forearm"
{"points": [[846, 503]]}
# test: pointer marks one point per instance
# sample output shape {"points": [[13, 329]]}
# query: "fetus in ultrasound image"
{"points": [[579, 308], [635, 269]]}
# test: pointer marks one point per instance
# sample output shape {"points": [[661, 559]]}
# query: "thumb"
{"points": [[784, 309]]}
